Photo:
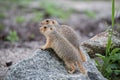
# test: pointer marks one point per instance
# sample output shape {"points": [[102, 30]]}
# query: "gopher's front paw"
{"points": [[42, 48], [70, 71]]}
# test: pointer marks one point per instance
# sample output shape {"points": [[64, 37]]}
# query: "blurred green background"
{"points": [[20, 19]]}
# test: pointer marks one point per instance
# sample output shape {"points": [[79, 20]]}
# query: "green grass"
{"points": [[20, 19], [55, 11], [38, 16], [111, 59], [90, 14], [15, 1], [12, 37], [2, 16], [111, 31], [1, 27], [32, 36], [118, 26], [110, 64]]}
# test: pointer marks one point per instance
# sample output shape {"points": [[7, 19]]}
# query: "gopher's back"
{"points": [[70, 35], [64, 48], [65, 30]]}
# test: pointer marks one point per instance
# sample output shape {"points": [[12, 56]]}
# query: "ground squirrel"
{"points": [[68, 33], [63, 48]]}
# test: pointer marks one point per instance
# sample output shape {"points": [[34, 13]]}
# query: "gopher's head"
{"points": [[47, 29], [49, 22]]}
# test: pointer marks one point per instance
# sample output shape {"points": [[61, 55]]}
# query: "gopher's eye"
{"points": [[53, 22], [45, 27], [47, 20], [50, 28]]}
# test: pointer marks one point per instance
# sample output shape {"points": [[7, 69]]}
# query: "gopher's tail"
{"points": [[82, 69]]}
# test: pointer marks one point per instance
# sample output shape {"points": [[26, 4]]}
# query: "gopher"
{"points": [[68, 33], [63, 48]]}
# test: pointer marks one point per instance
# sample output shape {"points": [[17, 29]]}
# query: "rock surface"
{"points": [[98, 43], [45, 65], [9, 56]]}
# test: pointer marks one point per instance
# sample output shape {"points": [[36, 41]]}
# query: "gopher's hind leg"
{"points": [[81, 68], [71, 67], [82, 56]]}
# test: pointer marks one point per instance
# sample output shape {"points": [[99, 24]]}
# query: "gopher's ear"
{"points": [[51, 28]]}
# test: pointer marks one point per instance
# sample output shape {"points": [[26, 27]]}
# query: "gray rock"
{"points": [[45, 65], [98, 43]]}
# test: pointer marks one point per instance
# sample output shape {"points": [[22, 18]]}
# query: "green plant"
{"points": [[20, 19], [55, 11], [90, 14], [111, 63], [1, 27], [32, 36], [2, 16], [15, 1], [13, 37], [38, 16], [111, 59]]}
